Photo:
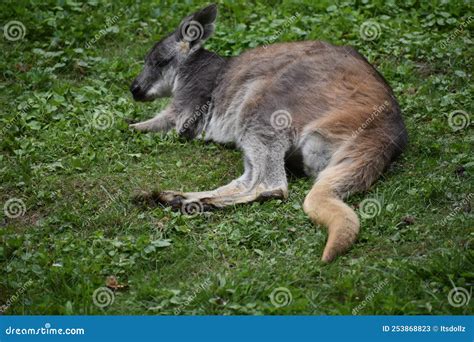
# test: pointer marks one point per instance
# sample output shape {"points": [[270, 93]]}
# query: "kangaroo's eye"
{"points": [[162, 62]]}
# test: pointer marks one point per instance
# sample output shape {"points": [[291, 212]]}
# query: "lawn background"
{"points": [[76, 180]]}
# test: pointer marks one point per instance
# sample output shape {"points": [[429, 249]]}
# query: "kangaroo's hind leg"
{"points": [[264, 178]]}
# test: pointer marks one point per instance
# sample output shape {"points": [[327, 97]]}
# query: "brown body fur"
{"points": [[337, 93]]}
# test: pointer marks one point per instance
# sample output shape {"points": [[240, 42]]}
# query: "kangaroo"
{"points": [[321, 107]]}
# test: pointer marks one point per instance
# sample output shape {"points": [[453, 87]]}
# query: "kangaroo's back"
{"points": [[308, 79]]}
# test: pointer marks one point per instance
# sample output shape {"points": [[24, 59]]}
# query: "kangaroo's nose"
{"points": [[134, 87], [137, 91]]}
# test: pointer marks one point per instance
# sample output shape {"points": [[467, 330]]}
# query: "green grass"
{"points": [[76, 181]]}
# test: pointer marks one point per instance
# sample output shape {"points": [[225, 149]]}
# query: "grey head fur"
{"points": [[178, 66]]}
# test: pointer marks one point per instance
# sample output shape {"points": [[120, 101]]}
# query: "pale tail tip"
{"points": [[327, 257]]}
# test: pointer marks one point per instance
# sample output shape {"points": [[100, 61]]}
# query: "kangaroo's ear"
{"points": [[196, 28]]}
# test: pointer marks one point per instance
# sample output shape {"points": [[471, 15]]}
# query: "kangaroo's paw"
{"points": [[193, 207], [145, 198], [180, 201], [140, 126], [171, 199], [130, 121], [155, 197], [272, 194]]}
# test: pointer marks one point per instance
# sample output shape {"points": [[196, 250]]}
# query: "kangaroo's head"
{"points": [[158, 76]]}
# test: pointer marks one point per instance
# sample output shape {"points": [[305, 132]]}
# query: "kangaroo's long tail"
{"points": [[352, 168]]}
